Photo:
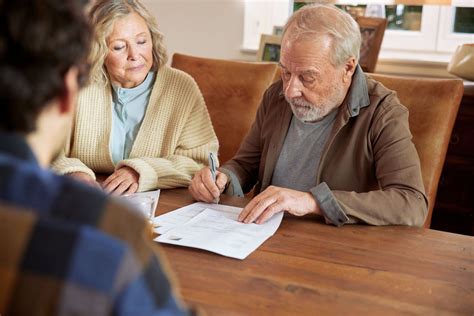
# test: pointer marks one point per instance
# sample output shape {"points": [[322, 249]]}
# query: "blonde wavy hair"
{"points": [[103, 15]]}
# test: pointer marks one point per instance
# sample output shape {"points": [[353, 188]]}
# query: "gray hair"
{"points": [[103, 15], [316, 20]]}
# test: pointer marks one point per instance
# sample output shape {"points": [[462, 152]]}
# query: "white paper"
{"points": [[220, 232], [170, 220]]}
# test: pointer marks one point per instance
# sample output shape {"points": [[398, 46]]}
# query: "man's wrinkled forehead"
{"points": [[302, 53]]}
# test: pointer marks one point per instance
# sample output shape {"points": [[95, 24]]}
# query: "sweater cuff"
{"points": [[332, 211], [233, 185], [65, 170], [148, 178]]}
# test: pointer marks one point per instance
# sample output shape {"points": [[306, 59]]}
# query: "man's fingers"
{"points": [[203, 188], [258, 210], [197, 195], [255, 210], [250, 206], [247, 209], [198, 190], [221, 181], [206, 178], [269, 212], [204, 193]]}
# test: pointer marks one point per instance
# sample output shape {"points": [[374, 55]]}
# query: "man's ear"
{"points": [[67, 100], [349, 68]]}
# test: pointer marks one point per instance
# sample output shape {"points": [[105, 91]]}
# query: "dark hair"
{"points": [[40, 40]]}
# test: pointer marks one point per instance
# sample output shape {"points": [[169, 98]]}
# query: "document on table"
{"points": [[215, 228], [170, 220]]}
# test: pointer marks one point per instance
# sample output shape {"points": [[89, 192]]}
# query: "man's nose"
{"points": [[293, 88]]}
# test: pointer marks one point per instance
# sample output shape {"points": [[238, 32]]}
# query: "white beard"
{"points": [[308, 112]]}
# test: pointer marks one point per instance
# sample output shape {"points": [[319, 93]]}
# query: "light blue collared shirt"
{"points": [[128, 111]]}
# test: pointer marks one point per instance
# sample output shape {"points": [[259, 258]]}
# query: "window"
{"points": [[260, 17], [426, 33]]}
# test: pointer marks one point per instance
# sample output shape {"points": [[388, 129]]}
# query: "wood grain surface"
{"points": [[310, 268]]}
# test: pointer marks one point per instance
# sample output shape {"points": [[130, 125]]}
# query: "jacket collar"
{"points": [[358, 95], [15, 145]]}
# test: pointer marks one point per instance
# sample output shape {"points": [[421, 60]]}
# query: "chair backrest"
{"points": [[433, 105], [232, 91]]}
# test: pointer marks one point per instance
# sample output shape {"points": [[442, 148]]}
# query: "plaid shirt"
{"points": [[66, 248]]}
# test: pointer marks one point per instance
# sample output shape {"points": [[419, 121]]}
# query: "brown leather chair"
{"points": [[433, 105], [232, 91]]}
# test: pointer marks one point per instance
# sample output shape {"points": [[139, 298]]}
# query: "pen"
{"points": [[213, 167]]}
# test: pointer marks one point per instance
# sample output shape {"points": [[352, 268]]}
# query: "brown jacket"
{"points": [[369, 169]]}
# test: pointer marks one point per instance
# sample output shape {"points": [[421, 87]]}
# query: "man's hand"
{"points": [[276, 199], [203, 188], [84, 178], [123, 180]]}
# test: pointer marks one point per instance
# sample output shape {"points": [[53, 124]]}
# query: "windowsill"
{"points": [[415, 56], [248, 51], [414, 64], [403, 63], [415, 68]]}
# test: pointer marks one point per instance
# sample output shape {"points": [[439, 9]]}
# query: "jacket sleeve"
{"points": [[401, 199], [196, 141]]}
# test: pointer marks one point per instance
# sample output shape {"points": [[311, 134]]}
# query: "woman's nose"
{"points": [[132, 53]]}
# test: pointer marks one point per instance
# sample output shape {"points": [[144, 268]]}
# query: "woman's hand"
{"points": [[122, 181], [84, 178]]}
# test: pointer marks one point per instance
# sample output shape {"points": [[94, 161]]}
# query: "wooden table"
{"points": [[310, 268]]}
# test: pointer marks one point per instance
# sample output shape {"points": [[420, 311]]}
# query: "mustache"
{"points": [[299, 102]]}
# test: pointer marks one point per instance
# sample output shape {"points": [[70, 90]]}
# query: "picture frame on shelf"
{"points": [[372, 31], [278, 30], [269, 49]]}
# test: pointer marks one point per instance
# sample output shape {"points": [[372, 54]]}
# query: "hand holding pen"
{"points": [[208, 183], [213, 168]]}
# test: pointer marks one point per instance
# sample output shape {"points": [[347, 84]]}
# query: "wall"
{"points": [[206, 28]]}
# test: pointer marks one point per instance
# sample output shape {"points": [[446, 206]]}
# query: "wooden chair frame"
{"points": [[371, 31]]}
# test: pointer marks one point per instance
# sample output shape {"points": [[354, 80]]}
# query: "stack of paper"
{"points": [[215, 228]]}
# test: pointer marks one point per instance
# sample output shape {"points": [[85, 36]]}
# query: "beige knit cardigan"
{"points": [[173, 142]]}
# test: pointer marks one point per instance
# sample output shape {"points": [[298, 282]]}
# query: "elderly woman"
{"points": [[142, 122]]}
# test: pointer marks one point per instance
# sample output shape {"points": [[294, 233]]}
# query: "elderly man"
{"points": [[327, 139], [66, 248]]}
